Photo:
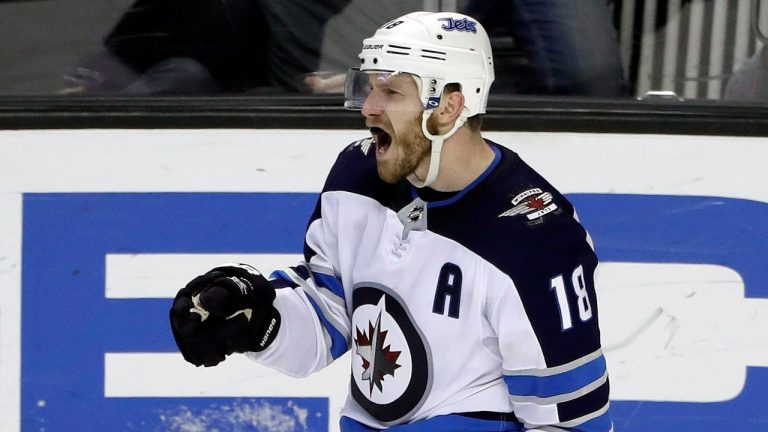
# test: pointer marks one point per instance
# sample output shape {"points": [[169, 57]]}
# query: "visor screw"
{"points": [[440, 37]]}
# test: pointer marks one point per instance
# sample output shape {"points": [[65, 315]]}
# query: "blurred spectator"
{"points": [[207, 46], [571, 46], [178, 47], [343, 35], [296, 31]]}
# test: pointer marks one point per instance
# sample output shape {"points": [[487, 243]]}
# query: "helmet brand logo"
{"points": [[373, 47], [463, 24]]}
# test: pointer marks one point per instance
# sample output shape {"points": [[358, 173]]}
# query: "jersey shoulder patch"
{"points": [[532, 204]]}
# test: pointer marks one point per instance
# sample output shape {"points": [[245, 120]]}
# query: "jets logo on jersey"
{"points": [[391, 364], [379, 360], [533, 204]]}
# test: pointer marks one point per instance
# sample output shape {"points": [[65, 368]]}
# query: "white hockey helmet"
{"points": [[437, 48]]}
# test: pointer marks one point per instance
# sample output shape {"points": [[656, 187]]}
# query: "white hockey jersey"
{"points": [[452, 304]]}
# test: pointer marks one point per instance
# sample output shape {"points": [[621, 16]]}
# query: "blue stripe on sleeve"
{"points": [[330, 282], [282, 275], [558, 384], [338, 342]]}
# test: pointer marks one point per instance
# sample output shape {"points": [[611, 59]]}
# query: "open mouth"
{"points": [[382, 139]]}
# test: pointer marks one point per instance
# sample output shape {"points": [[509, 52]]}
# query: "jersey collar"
{"points": [[452, 197]]}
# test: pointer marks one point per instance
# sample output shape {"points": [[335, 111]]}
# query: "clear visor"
{"points": [[381, 90]]}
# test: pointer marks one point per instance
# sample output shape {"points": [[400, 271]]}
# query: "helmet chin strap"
{"points": [[436, 148]]}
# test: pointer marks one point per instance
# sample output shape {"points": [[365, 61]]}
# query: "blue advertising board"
{"points": [[68, 325]]}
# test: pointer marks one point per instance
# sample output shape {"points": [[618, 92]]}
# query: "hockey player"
{"points": [[460, 279]]}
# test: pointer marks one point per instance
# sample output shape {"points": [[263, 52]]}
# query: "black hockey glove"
{"points": [[192, 329], [229, 309]]}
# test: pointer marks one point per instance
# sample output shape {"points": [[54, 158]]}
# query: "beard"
{"points": [[412, 148]]}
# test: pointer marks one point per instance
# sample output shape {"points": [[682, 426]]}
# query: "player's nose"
{"points": [[373, 105]]}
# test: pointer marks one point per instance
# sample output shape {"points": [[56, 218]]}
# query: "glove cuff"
{"points": [[269, 330]]}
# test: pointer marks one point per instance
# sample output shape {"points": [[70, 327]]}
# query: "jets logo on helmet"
{"points": [[463, 24]]}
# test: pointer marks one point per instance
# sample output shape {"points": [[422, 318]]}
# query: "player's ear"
{"points": [[450, 108]]}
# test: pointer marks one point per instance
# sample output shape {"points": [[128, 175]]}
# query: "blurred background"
{"points": [[134, 131], [692, 49]]}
